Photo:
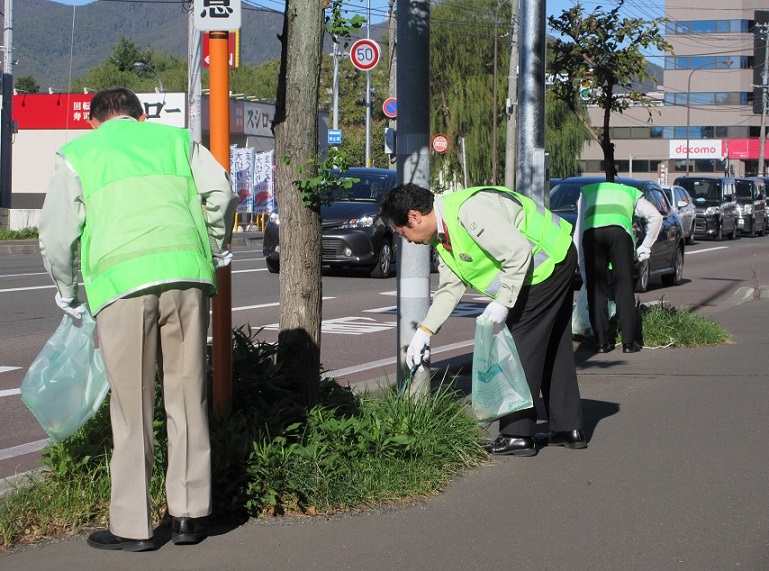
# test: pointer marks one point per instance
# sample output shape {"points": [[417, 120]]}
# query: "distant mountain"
{"points": [[43, 36]]}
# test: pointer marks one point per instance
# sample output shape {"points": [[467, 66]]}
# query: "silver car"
{"points": [[683, 204]]}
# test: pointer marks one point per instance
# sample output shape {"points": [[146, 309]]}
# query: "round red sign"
{"points": [[364, 54], [440, 143]]}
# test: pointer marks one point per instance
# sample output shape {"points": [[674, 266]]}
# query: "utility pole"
{"points": [[6, 123], [413, 152], [512, 99], [764, 31], [368, 90], [530, 168], [194, 84]]}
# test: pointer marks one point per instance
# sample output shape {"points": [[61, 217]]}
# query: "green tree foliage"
{"points": [[462, 55], [602, 51], [564, 137], [27, 84]]}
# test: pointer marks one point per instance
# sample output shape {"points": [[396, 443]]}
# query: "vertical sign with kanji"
{"points": [[217, 15]]}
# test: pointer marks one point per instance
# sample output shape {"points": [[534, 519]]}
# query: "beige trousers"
{"points": [[167, 326]]}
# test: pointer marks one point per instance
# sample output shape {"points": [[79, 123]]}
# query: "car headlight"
{"points": [[362, 222], [748, 208], [711, 210], [275, 218]]}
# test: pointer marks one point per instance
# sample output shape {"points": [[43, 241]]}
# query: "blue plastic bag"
{"points": [[499, 384], [66, 383]]}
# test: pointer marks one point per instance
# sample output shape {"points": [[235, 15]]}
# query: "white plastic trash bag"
{"points": [[66, 383], [499, 384], [580, 318]]}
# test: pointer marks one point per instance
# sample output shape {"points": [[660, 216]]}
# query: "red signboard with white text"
{"points": [[52, 111]]}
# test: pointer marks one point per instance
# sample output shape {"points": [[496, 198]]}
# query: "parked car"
{"points": [[354, 234], [667, 255], [716, 205], [683, 204], [751, 206]]}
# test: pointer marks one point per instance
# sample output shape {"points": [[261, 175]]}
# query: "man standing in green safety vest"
{"points": [[521, 256], [130, 194]]}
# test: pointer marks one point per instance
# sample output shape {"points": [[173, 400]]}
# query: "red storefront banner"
{"points": [[52, 111], [746, 148]]}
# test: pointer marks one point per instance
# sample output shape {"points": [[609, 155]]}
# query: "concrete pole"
{"points": [[413, 152], [764, 75], [221, 314], [6, 123], [368, 91], [194, 84], [530, 168], [512, 99]]}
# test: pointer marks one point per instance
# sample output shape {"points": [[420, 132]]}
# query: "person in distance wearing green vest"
{"points": [[522, 258], [606, 212], [130, 194]]}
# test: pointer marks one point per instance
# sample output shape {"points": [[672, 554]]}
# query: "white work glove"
{"points": [[643, 253], [496, 312], [222, 259], [69, 306], [419, 349]]}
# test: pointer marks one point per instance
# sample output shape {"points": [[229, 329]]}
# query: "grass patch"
{"points": [[23, 234], [664, 324], [269, 457]]}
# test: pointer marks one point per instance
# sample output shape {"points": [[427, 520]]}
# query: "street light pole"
{"points": [[140, 65], [714, 64], [494, 99]]}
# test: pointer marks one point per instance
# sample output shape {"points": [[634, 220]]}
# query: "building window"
{"points": [[709, 27]]}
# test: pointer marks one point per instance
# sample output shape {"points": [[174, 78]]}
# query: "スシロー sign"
{"points": [[364, 54]]}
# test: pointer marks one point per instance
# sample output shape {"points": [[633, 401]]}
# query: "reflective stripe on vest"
{"points": [[609, 204], [144, 223], [549, 237]]}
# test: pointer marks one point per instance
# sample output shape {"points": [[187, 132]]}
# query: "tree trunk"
{"points": [[296, 147], [606, 145]]}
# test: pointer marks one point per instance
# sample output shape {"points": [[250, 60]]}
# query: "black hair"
{"points": [[406, 197], [114, 101]]}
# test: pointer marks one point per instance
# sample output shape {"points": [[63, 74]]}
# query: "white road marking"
{"points": [[7, 369], [689, 253], [22, 449], [10, 392]]}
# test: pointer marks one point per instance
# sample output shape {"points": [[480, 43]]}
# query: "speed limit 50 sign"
{"points": [[364, 54]]}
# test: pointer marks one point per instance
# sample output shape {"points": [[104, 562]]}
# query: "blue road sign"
{"points": [[334, 136], [390, 107]]}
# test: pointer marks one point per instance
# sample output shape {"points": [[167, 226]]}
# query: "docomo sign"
{"points": [[364, 54], [700, 149], [440, 143]]}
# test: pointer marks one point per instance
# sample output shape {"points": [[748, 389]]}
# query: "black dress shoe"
{"points": [[105, 539], [187, 530], [604, 348], [631, 347], [568, 438], [513, 446]]}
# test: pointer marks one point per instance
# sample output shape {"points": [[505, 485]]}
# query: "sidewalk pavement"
{"points": [[675, 477]]}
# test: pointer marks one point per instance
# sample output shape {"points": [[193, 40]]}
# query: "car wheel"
{"points": [[719, 233], [642, 283], [690, 237], [384, 260], [677, 276], [733, 235], [272, 266]]}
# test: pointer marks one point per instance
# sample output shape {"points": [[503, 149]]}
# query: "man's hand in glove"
{"points": [[419, 348], [643, 253], [70, 306], [496, 312]]}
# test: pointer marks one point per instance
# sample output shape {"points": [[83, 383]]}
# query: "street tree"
{"points": [[26, 84], [598, 59], [300, 177]]}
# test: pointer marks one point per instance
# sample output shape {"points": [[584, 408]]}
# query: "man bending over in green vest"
{"points": [[130, 194], [521, 256]]}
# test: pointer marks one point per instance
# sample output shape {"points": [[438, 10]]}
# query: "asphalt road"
{"points": [[355, 307]]}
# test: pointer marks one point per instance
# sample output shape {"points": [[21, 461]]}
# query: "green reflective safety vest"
{"points": [[548, 234], [609, 204], [144, 223]]}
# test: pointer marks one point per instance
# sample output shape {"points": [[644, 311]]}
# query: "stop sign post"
{"points": [[440, 143], [364, 54]]}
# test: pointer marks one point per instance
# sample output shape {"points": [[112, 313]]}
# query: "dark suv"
{"points": [[751, 206], [667, 255], [354, 233], [716, 205]]}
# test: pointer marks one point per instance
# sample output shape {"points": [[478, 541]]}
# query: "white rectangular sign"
{"points": [[697, 149], [217, 15], [165, 107]]}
